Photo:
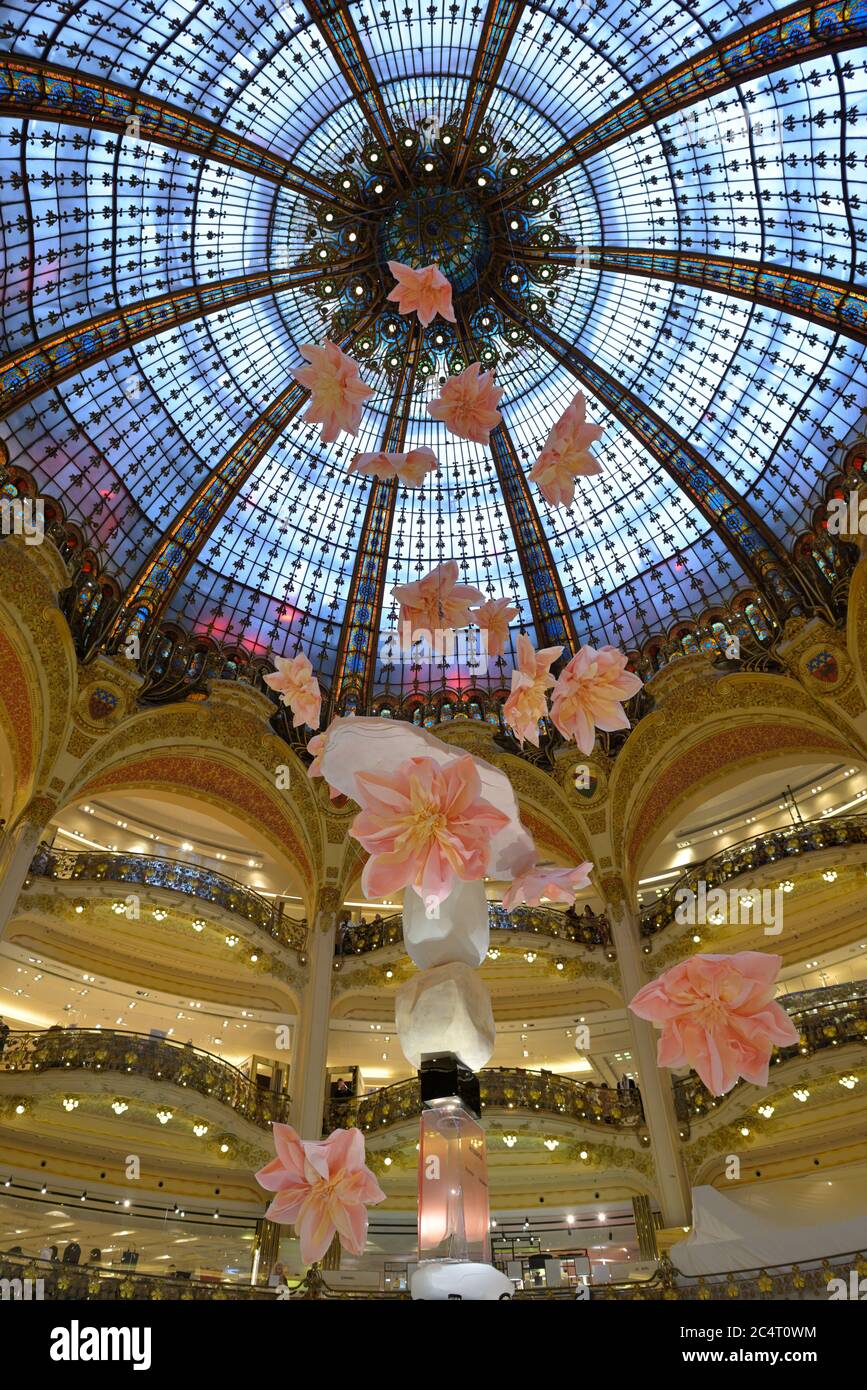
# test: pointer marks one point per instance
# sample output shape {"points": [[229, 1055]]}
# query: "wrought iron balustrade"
{"points": [[98, 1284], [502, 1088], [357, 938], [824, 1018], [775, 845], [204, 884], [139, 1054]]}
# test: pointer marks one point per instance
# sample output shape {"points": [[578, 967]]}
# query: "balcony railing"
{"points": [[161, 1059], [502, 1088], [204, 884], [824, 1018], [361, 937], [98, 1285], [830, 832]]}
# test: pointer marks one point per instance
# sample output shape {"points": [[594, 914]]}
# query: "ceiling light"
{"points": [[510, 1140], [164, 1116], [70, 1103], [849, 1082], [200, 1130], [551, 1144], [119, 1107], [801, 1095]]}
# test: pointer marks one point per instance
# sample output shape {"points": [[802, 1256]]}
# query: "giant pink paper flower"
{"points": [[322, 1186], [588, 693], [718, 1016], [317, 746], [424, 825], [424, 292], [527, 703], [566, 455], [494, 617], [544, 883], [467, 404], [437, 601], [410, 468], [337, 392], [298, 687]]}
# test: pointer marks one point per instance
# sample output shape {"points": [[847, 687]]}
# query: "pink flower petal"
{"points": [[337, 393], [717, 1017], [566, 455], [424, 292], [467, 404]]}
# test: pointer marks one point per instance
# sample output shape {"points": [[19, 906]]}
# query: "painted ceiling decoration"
{"points": [[659, 205]]}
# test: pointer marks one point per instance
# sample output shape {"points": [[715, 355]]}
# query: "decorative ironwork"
{"points": [[30, 88], [747, 536], [44, 364], [502, 1088], [102, 866], [783, 39], [552, 617], [160, 1059], [818, 298], [356, 659], [94, 1284], [149, 594], [585, 929], [824, 1018], [767, 848]]}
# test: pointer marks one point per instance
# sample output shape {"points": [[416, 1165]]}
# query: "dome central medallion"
{"points": [[435, 209], [437, 225]]}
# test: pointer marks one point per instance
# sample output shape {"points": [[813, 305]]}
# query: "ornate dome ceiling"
{"points": [[660, 204]]}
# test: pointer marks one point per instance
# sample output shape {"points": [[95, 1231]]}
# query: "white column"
{"points": [[656, 1089], [16, 854], [311, 1041]]}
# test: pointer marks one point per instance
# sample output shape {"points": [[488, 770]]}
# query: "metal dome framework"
{"points": [[670, 203]]}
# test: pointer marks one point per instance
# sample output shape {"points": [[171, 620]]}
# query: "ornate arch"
{"points": [[707, 729], [233, 767], [38, 669]]}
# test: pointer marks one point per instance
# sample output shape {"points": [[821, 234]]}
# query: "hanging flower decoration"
{"points": [[426, 807], [322, 1186], [410, 468], [317, 746], [425, 292], [437, 601], [424, 826], [528, 703], [298, 687], [337, 392], [494, 617], [588, 694], [467, 404], [566, 455], [545, 883], [719, 1017]]}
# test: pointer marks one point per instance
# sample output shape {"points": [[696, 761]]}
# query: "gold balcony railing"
{"points": [[502, 1088], [806, 1281], [161, 1059], [824, 1018], [743, 858], [357, 938], [104, 866], [98, 1285]]}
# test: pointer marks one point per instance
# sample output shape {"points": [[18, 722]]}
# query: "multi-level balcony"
{"points": [[79, 1053], [205, 885], [585, 929], [751, 857]]}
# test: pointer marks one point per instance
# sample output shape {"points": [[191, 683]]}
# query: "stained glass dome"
{"points": [[658, 204]]}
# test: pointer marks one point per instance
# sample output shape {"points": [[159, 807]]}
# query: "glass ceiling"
{"points": [[770, 170]]}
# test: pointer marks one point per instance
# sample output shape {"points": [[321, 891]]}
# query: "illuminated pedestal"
{"points": [[453, 1209]]}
